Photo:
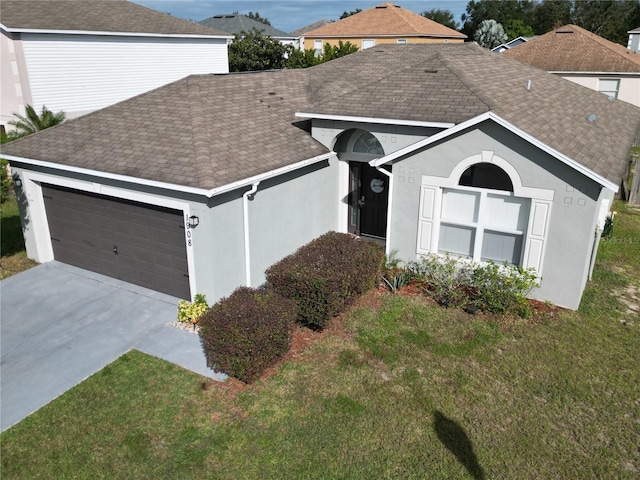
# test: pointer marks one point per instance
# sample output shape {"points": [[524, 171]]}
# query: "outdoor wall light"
{"points": [[193, 221], [17, 181]]}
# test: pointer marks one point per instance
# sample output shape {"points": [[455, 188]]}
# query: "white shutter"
{"points": [[536, 234], [429, 199]]}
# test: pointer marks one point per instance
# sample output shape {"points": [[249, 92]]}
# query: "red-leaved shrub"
{"points": [[325, 275], [247, 332]]}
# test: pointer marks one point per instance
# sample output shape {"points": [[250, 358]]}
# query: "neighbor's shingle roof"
{"points": [[95, 16], [210, 130], [308, 28], [574, 49], [235, 23], [385, 19]]}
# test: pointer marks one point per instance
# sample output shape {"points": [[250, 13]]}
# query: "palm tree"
{"points": [[32, 122]]}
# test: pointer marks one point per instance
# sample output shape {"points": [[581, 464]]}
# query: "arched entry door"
{"points": [[371, 191], [369, 188]]}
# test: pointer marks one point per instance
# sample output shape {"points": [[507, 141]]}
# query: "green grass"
{"points": [[14, 258], [406, 390]]}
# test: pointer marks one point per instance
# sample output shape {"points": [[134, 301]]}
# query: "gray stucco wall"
{"points": [[574, 209], [285, 213], [289, 211], [391, 137]]}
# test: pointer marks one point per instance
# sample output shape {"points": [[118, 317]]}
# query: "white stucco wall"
{"points": [[629, 85], [14, 82]]}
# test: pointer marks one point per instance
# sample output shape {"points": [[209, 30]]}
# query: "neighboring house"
{"points": [[510, 44], [385, 23], [586, 59], [234, 24], [199, 186], [78, 56], [634, 40], [300, 32]]}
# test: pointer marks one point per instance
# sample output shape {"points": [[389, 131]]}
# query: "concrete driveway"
{"points": [[61, 324]]}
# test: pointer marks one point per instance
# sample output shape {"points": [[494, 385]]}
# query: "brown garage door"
{"points": [[130, 241]]}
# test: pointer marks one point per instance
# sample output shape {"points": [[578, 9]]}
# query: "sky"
{"points": [[289, 15]]}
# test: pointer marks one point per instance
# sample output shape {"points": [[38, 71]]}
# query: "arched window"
{"points": [[486, 175], [367, 143]]}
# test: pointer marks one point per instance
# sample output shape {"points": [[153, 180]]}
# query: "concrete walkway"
{"points": [[61, 324]]}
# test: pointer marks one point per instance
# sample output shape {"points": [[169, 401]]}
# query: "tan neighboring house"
{"points": [[384, 23], [78, 56], [586, 59]]}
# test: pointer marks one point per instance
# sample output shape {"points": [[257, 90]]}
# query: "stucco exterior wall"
{"points": [[573, 214], [391, 137], [285, 213], [629, 85], [14, 81], [289, 211], [309, 42]]}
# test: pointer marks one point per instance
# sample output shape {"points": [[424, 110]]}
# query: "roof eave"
{"points": [[577, 72], [460, 36], [509, 126], [375, 120], [113, 34], [171, 186]]}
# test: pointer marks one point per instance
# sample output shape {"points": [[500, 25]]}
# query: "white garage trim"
{"points": [[36, 217]]}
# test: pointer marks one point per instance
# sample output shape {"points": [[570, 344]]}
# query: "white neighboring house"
{"points": [[80, 56], [585, 58], [634, 40]]}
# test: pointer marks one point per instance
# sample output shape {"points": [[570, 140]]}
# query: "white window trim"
{"points": [[535, 237], [401, 41], [368, 40], [613, 94]]}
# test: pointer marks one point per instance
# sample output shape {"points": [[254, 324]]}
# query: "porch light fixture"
{"points": [[17, 181], [193, 221]]}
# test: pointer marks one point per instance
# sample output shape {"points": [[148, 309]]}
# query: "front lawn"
{"points": [[398, 388], [13, 256]]}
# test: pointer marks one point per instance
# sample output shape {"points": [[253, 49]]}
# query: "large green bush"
{"points": [[247, 332], [325, 275]]}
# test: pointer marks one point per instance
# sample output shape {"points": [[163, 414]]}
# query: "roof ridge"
{"points": [[484, 99]]}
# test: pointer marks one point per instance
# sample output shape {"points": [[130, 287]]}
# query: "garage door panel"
{"points": [[149, 241]]}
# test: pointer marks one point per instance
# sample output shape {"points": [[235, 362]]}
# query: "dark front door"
{"points": [[372, 200], [134, 242]]}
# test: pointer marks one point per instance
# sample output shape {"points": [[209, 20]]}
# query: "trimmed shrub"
{"points": [[325, 275], [247, 332]]}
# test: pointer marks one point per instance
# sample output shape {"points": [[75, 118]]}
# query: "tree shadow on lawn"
{"points": [[457, 442], [12, 240]]}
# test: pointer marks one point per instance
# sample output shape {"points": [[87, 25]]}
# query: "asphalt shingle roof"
{"points": [[574, 49], [95, 16], [207, 131], [385, 19], [235, 23]]}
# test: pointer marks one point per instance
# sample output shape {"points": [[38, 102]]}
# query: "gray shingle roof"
{"points": [[95, 15], [235, 23], [210, 130]]}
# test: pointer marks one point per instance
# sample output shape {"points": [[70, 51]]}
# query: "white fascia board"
{"points": [[114, 34], [512, 128], [386, 121], [617, 74], [170, 186], [106, 175], [273, 173]]}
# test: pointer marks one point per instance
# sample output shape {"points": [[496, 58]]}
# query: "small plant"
{"points": [[191, 312], [503, 288], [395, 281]]}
